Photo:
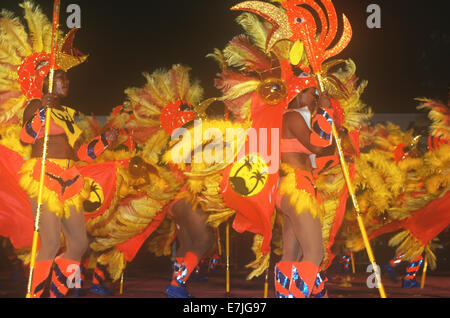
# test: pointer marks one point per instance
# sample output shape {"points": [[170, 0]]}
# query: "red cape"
{"points": [[254, 213], [16, 219], [425, 224]]}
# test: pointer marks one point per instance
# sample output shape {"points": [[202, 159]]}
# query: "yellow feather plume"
{"points": [[261, 263], [13, 32], [255, 28], [241, 89], [195, 93], [9, 138], [154, 91], [217, 55], [411, 248], [179, 77], [38, 26]]}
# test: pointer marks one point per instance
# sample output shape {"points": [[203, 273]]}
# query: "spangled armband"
{"points": [[90, 151], [33, 126], [321, 128]]}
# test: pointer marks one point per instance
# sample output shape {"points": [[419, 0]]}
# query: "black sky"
{"points": [[406, 58]]}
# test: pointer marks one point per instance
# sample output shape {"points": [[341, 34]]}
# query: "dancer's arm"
{"points": [[298, 127], [34, 117], [88, 152]]}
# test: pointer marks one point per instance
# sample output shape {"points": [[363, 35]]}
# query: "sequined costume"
{"points": [[302, 279], [281, 70]]}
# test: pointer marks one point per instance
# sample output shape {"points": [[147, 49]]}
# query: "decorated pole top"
{"points": [[295, 22], [54, 46]]}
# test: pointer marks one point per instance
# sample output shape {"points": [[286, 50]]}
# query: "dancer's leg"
{"points": [[194, 223], [308, 231], [195, 240], [49, 232], [185, 243], [292, 251], [50, 237], [67, 270], [297, 279], [74, 230]]}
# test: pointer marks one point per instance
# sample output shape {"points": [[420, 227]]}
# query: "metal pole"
{"points": [[424, 273], [56, 6], [353, 263], [228, 258], [355, 203], [266, 284]]}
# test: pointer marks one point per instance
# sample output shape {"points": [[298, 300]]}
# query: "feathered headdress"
{"points": [[25, 58], [247, 67], [168, 100], [278, 69]]}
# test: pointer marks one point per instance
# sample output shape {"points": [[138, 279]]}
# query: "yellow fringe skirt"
{"points": [[64, 186], [299, 186]]}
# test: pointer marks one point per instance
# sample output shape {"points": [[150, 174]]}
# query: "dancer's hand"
{"points": [[111, 135], [324, 100], [51, 101]]}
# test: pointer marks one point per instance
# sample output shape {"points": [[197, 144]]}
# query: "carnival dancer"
{"points": [[306, 131], [194, 235], [151, 114], [294, 24], [64, 188], [117, 227]]}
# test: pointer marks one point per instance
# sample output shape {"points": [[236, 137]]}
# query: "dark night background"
{"points": [[406, 58]]}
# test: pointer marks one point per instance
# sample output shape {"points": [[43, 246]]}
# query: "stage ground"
{"points": [[140, 283]]}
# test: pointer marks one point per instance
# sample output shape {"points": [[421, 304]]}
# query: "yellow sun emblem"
{"points": [[96, 197], [248, 178]]}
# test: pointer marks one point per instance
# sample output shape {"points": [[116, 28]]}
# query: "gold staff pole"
{"points": [[219, 245], [424, 273], [355, 202], [122, 279], [56, 7], [266, 284], [228, 258], [353, 262]]}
